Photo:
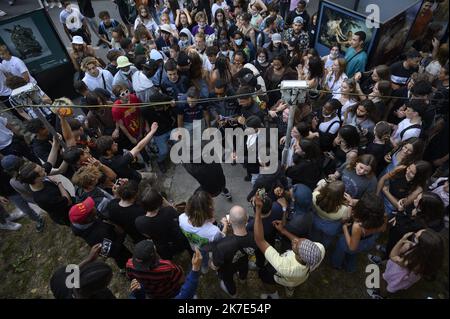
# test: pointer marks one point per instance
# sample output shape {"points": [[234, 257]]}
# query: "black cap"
{"points": [[254, 122], [183, 59], [145, 256], [94, 277], [412, 54], [293, 42]]}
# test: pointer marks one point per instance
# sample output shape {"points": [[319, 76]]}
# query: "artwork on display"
{"points": [[393, 36], [431, 21], [32, 38], [337, 25], [27, 41]]}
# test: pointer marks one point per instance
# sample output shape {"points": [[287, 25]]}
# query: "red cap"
{"points": [[81, 211]]}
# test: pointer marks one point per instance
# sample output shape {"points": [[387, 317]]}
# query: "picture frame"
{"points": [[337, 24], [33, 38]]}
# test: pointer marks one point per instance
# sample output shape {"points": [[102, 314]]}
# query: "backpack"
{"points": [[326, 138], [415, 126]]}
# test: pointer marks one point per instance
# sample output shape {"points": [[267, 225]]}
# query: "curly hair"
{"points": [[369, 211], [87, 176]]}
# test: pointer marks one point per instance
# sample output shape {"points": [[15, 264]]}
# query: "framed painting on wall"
{"points": [[337, 25]]}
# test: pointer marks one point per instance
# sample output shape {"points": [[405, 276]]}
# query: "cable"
{"points": [[205, 100]]}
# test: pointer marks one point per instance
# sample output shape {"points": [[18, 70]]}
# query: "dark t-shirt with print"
{"points": [[190, 113], [233, 249], [120, 164]]}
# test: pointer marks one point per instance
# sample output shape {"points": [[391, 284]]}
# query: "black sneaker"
{"points": [[40, 225], [162, 167], [227, 195], [247, 178]]}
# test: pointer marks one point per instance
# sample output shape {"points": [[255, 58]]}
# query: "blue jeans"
{"points": [[23, 205], [343, 257], [388, 207], [163, 147], [324, 231]]}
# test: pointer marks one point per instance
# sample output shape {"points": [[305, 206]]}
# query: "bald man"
{"points": [[231, 253]]}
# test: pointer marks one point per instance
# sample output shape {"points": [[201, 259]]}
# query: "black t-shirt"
{"points": [[41, 148], [60, 291], [399, 74], [50, 199], [233, 249], [269, 230], [209, 176], [163, 229], [300, 224], [5, 188], [379, 151], [305, 172], [120, 164], [164, 118], [125, 217], [269, 182]]}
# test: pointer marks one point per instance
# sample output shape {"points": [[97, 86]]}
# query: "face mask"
{"points": [[127, 72], [202, 25], [334, 55], [261, 61], [184, 43], [224, 53], [238, 42]]}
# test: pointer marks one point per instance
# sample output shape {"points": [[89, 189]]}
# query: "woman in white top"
{"points": [[145, 18], [334, 79], [331, 207], [328, 60], [347, 98]]}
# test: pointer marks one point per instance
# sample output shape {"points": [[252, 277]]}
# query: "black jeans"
{"points": [[227, 272]]}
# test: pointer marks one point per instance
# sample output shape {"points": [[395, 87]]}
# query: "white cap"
{"points": [[77, 40], [166, 28], [156, 55]]}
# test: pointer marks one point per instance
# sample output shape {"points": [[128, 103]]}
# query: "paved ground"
{"points": [[27, 259]]}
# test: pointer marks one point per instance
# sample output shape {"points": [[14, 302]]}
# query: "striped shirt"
{"points": [[161, 282]]}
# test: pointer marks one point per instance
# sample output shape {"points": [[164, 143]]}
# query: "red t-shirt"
{"points": [[130, 116]]}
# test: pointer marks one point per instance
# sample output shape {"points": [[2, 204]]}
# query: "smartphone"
{"points": [[262, 192], [106, 247]]}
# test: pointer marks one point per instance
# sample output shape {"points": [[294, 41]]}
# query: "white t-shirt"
{"points": [[4, 90], [149, 24], [93, 83], [16, 67], [73, 20], [323, 127], [216, 7], [335, 85], [5, 133], [199, 236], [413, 132], [346, 106]]}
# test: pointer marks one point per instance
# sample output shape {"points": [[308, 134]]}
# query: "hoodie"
{"points": [[190, 37], [142, 86]]}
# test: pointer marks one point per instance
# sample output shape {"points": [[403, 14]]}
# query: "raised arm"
{"points": [[67, 132], [142, 143], [258, 227]]}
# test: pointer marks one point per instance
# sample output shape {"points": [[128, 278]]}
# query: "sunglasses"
{"points": [[124, 93]]}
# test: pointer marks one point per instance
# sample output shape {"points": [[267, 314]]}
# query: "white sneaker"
{"points": [[224, 288], [10, 226], [15, 215], [59, 4], [52, 5], [45, 3], [2, 13]]}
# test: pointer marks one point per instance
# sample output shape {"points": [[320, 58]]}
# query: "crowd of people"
{"points": [[366, 168]]}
